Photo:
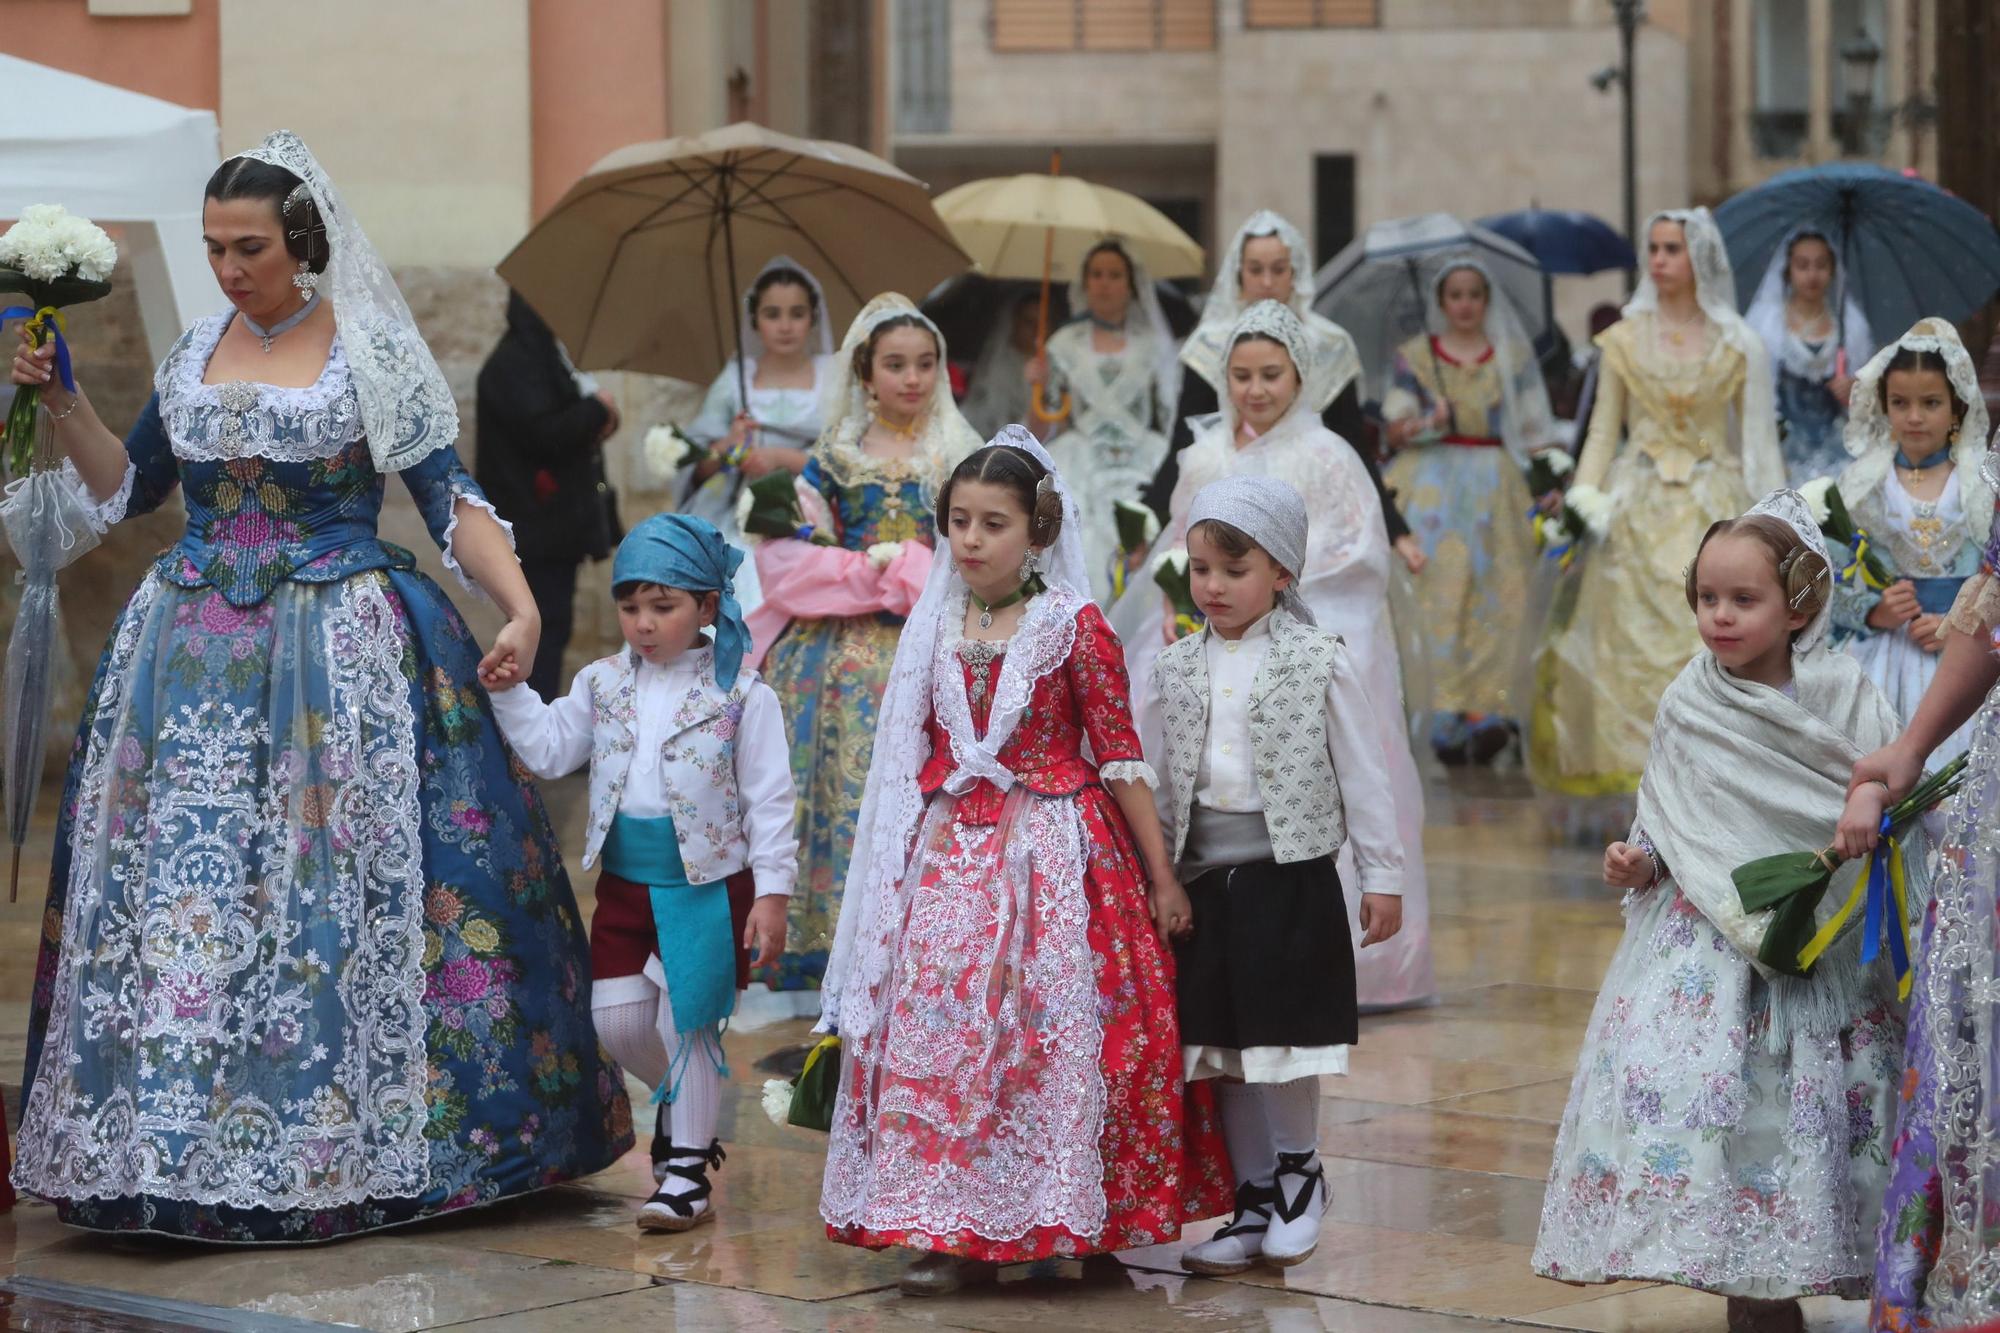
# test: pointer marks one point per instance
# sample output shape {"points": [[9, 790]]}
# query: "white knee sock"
{"points": [[1292, 1110], [698, 1098], [631, 1033], [1246, 1131]]}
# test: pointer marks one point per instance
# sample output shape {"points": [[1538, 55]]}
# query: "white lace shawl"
{"points": [[945, 436], [1769, 317], [1873, 445], [406, 406]]}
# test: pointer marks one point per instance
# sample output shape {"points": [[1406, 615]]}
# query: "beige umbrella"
{"points": [[1007, 224], [640, 266]]}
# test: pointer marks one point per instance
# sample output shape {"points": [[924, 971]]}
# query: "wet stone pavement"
{"points": [[1436, 1145]]}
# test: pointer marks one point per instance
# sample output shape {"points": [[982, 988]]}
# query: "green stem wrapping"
{"points": [[19, 440]]}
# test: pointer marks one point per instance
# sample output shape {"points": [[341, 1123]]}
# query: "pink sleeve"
{"points": [[804, 581]]}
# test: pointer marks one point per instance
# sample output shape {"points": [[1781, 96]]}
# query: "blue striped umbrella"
{"points": [[1907, 247]]}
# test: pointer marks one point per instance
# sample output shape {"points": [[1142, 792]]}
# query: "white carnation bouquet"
{"points": [[668, 449], [56, 260]]}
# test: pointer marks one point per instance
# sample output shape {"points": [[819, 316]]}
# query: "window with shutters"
{"points": [[1311, 13], [1103, 25]]}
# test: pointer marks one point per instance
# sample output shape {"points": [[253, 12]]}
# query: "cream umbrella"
{"points": [[640, 266], [1027, 226], [1013, 225]]}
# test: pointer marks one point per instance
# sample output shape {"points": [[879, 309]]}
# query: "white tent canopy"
{"points": [[116, 156]]}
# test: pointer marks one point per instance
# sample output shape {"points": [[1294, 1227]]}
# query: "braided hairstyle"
{"points": [[1022, 475], [1803, 573]]}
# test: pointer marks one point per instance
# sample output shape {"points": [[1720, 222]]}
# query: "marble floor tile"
{"points": [[1423, 1137]]}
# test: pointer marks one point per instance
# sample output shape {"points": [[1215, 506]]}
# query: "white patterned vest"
{"points": [[697, 763], [1295, 777]]}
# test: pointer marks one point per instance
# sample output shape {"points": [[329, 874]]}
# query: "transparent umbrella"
{"points": [[46, 525]]}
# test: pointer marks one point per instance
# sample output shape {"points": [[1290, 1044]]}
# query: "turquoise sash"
{"points": [[697, 939]]}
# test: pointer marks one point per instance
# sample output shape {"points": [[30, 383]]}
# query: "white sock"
{"points": [[1246, 1131], [631, 1033], [1292, 1111], [697, 1101]]}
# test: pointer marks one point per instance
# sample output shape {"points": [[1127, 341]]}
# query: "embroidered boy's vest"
{"points": [[1295, 776], [698, 763]]}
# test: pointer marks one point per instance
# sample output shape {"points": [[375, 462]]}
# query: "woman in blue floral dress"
{"points": [[310, 964], [831, 615]]}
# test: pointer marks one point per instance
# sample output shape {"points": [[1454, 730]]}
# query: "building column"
{"points": [[1822, 144]]}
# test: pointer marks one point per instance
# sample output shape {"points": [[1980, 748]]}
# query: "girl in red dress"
{"points": [[1001, 981]]}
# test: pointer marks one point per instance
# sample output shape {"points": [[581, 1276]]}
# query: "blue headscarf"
{"points": [[682, 551]]}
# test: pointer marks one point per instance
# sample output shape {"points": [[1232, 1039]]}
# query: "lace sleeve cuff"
{"points": [[1978, 606], [449, 552], [1129, 770], [101, 513]]}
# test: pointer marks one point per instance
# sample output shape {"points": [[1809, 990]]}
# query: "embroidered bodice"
{"points": [[278, 482], [1472, 389], [1085, 701], [873, 499], [1677, 411]]}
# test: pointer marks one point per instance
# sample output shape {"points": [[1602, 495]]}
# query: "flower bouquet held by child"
{"points": [[1728, 1126]]}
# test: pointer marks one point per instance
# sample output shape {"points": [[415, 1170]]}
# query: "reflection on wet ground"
{"points": [[1436, 1144]]}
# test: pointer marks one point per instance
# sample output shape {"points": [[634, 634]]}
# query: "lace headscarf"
{"points": [[891, 803], [406, 406], [1166, 359], [1873, 444], [1714, 292], [751, 347], [1206, 351], [1526, 421], [1767, 316], [1791, 509], [944, 438]]}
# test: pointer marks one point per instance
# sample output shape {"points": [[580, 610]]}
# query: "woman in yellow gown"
{"points": [[1684, 433]]}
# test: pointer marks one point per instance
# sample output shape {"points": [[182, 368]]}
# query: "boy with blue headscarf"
{"points": [[691, 808]]}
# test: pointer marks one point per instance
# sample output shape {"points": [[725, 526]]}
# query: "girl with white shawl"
{"points": [[1683, 434], [1345, 582], [1010, 1085], [1917, 434], [1268, 260], [1106, 395], [783, 360], [1728, 1127], [1815, 333]]}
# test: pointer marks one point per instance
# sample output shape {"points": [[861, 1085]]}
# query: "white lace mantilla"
{"points": [[240, 419], [283, 996]]}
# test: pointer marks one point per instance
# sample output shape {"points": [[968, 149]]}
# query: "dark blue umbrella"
{"points": [[1564, 240], [1908, 248]]}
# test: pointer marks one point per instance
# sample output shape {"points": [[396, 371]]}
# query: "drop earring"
{"points": [[1030, 563], [306, 280]]}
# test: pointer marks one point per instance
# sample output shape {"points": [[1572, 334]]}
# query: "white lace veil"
{"points": [[945, 436], [1873, 445], [999, 392], [1526, 421], [751, 347], [891, 803], [406, 406], [1207, 348], [1166, 359], [1790, 508], [1715, 293], [1767, 316]]}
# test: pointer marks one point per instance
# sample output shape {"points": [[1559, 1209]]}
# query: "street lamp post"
{"points": [[1631, 13], [1858, 59]]}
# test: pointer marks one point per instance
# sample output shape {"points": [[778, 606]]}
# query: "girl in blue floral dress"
{"points": [[831, 615], [310, 964]]}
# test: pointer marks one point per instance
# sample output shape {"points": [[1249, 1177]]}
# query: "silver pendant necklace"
{"points": [[285, 325]]}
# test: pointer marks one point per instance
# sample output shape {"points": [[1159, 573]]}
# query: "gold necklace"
{"points": [[908, 432], [1676, 333]]}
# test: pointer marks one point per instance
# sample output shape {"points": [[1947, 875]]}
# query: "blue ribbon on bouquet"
{"points": [[48, 319], [1888, 910]]}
